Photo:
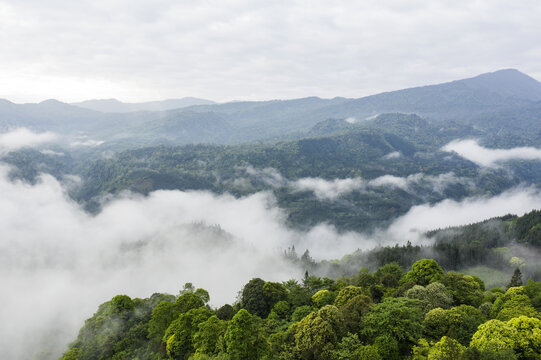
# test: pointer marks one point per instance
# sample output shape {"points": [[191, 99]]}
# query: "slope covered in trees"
{"points": [[424, 313]]}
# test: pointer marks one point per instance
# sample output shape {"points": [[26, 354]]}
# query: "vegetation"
{"points": [[443, 315]]}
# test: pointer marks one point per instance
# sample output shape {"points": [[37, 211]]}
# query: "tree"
{"points": [[446, 349], [226, 312], [521, 334], [346, 294], [243, 338], [274, 292], [179, 335], [432, 296], [318, 333], [354, 310], [464, 288], [322, 298], [161, 318], [424, 272], [516, 279], [398, 318], [188, 301], [208, 335], [253, 298]]}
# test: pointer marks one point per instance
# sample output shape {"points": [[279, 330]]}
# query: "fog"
{"points": [[471, 150], [22, 137], [446, 213], [332, 189], [58, 263]]}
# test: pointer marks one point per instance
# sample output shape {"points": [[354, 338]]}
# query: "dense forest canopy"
{"points": [[424, 313]]}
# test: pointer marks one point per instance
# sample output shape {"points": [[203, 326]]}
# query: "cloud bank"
{"points": [[332, 189], [59, 262], [471, 150], [446, 213], [22, 137]]}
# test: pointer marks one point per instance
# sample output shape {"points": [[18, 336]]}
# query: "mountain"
{"points": [[487, 101], [115, 106]]}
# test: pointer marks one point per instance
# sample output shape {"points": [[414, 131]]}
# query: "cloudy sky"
{"points": [[249, 49]]}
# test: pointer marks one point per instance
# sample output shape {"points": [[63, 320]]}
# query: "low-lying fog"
{"points": [[58, 263]]}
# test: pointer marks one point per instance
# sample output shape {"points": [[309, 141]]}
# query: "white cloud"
{"points": [[160, 49], [392, 155], [22, 137], [59, 262], [390, 180], [332, 189], [328, 190], [88, 143], [471, 150], [422, 218]]}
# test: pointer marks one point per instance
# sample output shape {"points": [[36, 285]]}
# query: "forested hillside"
{"points": [[386, 314]]}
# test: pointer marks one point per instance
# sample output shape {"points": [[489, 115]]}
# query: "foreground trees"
{"points": [[389, 314]]}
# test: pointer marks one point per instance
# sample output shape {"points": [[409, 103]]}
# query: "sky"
{"points": [[254, 50]]}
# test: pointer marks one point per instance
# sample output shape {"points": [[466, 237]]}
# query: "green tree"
{"points": [[432, 296], [323, 298], [244, 338], [188, 301], [398, 318], [206, 339], [253, 298], [318, 334], [446, 349], [162, 316], [226, 312], [179, 335], [464, 288], [424, 272], [516, 279], [346, 294], [354, 311], [274, 292]]}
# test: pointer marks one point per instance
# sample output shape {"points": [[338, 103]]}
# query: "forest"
{"points": [[424, 313], [398, 308]]}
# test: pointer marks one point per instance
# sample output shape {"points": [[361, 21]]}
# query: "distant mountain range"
{"points": [[115, 106], [486, 101]]}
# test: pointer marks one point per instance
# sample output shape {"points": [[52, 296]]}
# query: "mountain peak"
{"points": [[507, 82]]}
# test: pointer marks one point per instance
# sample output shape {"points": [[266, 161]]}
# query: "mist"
{"points": [[471, 150], [22, 137], [58, 263]]}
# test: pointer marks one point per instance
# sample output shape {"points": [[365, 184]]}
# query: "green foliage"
{"points": [[446, 349], [465, 289], [348, 293], [432, 296], [318, 334], [522, 334], [516, 279], [207, 338], [244, 338], [274, 292], [397, 318], [300, 313], [424, 272], [188, 301], [163, 327], [253, 298], [179, 335], [322, 298]]}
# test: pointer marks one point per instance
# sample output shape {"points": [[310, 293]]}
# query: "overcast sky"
{"points": [[249, 49]]}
